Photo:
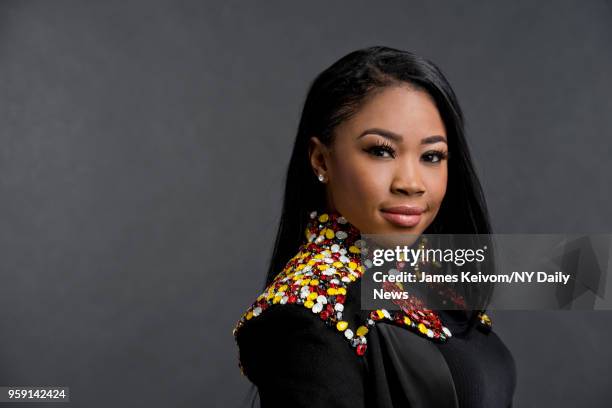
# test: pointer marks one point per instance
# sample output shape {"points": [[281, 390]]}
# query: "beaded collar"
{"points": [[317, 278]]}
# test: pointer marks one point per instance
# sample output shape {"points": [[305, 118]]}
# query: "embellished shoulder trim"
{"points": [[318, 276]]}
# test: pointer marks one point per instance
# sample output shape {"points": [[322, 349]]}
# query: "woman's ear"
{"points": [[318, 154]]}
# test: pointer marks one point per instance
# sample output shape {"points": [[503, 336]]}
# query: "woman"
{"points": [[380, 149]]}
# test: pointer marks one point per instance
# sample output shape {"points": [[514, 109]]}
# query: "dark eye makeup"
{"points": [[384, 149], [381, 148]]}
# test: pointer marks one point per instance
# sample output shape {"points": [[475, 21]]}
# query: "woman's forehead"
{"points": [[402, 111]]}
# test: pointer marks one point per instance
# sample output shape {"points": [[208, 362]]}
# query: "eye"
{"points": [[382, 149], [435, 156]]}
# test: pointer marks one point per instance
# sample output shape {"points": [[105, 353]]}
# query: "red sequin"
{"points": [[361, 349]]}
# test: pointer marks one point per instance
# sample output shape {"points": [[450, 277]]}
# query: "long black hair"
{"points": [[334, 96]]}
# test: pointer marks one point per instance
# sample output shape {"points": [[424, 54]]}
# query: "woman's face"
{"points": [[386, 170]]}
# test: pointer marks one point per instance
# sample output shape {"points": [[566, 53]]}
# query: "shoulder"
{"points": [[310, 293], [312, 304], [294, 360], [287, 350]]}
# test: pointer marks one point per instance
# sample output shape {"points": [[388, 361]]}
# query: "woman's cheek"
{"points": [[371, 184], [356, 190], [436, 185]]}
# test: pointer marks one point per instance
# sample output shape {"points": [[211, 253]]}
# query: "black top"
{"points": [[295, 360], [482, 367], [306, 342]]}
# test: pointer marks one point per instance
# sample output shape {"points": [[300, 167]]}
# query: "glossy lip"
{"points": [[403, 215], [404, 209]]}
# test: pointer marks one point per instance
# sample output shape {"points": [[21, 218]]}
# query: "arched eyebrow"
{"points": [[399, 138]]}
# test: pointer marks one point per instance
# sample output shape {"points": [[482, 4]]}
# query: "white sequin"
{"points": [[329, 271]]}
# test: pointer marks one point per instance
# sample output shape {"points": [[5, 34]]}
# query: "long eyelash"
{"points": [[441, 154], [383, 145]]}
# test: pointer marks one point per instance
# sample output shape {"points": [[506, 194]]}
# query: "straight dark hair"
{"points": [[336, 94]]}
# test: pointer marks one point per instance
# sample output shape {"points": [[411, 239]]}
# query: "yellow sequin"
{"points": [[342, 325], [323, 217], [362, 331], [485, 319]]}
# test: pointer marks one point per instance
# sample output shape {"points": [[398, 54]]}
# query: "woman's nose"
{"points": [[408, 180]]}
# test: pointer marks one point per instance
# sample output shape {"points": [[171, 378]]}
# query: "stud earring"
{"points": [[321, 178]]}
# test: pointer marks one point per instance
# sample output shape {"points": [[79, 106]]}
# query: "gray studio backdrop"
{"points": [[143, 150]]}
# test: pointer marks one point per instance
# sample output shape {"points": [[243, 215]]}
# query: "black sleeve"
{"points": [[296, 360]]}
